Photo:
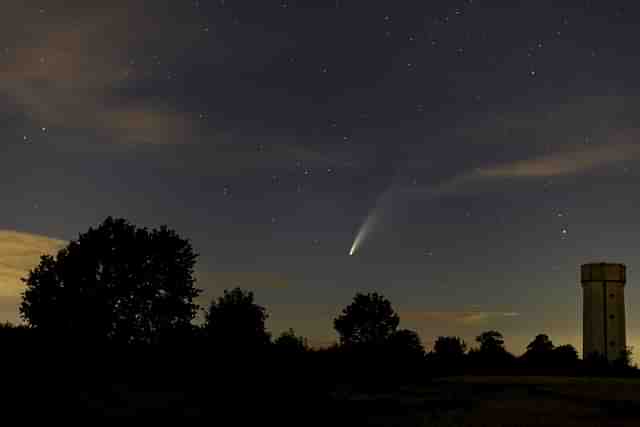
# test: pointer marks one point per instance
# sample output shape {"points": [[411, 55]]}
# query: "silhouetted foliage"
{"points": [[491, 352], [116, 283], [543, 357], [405, 345], [541, 344], [289, 344], [368, 321], [596, 363], [449, 348], [8, 329], [539, 351], [490, 342], [235, 324], [623, 362], [15, 338], [448, 354], [373, 352], [565, 355], [119, 284]]}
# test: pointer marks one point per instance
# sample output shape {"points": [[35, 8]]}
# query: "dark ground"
{"points": [[236, 392]]}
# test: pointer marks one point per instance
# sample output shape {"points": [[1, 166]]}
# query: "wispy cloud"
{"points": [[565, 162], [68, 71], [575, 160], [94, 69], [457, 317], [20, 252]]}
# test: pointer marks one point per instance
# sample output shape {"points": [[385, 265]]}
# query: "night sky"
{"points": [[477, 151]]}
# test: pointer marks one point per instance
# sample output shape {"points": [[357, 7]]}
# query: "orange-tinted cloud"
{"points": [[20, 252], [66, 70], [76, 65], [565, 162], [622, 146]]}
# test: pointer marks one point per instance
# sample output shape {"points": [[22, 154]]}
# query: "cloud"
{"points": [[20, 252], [114, 72], [9, 309], [565, 162], [68, 72], [457, 317], [571, 161]]}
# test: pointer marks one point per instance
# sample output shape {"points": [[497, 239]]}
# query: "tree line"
{"points": [[121, 286]]}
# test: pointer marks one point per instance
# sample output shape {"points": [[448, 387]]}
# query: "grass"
{"points": [[540, 380], [498, 401]]}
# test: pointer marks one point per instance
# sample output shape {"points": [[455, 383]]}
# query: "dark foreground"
{"points": [[498, 401], [236, 392]]}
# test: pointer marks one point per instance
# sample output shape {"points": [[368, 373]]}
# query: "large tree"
{"points": [[540, 344], [116, 283], [492, 351], [405, 344], [448, 355], [565, 355], [540, 350], [235, 323], [289, 344], [368, 320], [491, 342], [449, 349]]}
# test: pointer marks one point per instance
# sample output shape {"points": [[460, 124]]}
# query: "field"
{"points": [[288, 395], [497, 401]]}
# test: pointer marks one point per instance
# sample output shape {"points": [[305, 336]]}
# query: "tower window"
{"points": [[611, 295], [612, 343], [611, 316]]}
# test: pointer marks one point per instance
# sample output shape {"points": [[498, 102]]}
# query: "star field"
{"points": [[491, 146]]}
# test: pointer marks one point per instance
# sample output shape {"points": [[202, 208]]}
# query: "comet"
{"points": [[371, 220], [385, 201], [563, 163], [363, 231]]}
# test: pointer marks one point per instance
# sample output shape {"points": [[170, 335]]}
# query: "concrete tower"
{"points": [[603, 315]]}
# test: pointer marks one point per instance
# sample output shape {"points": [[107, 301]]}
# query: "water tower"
{"points": [[603, 313]]}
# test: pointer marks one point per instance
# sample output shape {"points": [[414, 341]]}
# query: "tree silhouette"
{"points": [[540, 344], [491, 342], [448, 356], [596, 362], [16, 337], [116, 283], [449, 348], [565, 355], [235, 324], [623, 362], [405, 345], [289, 344], [492, 352], [540, 350], [368, 320]]}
